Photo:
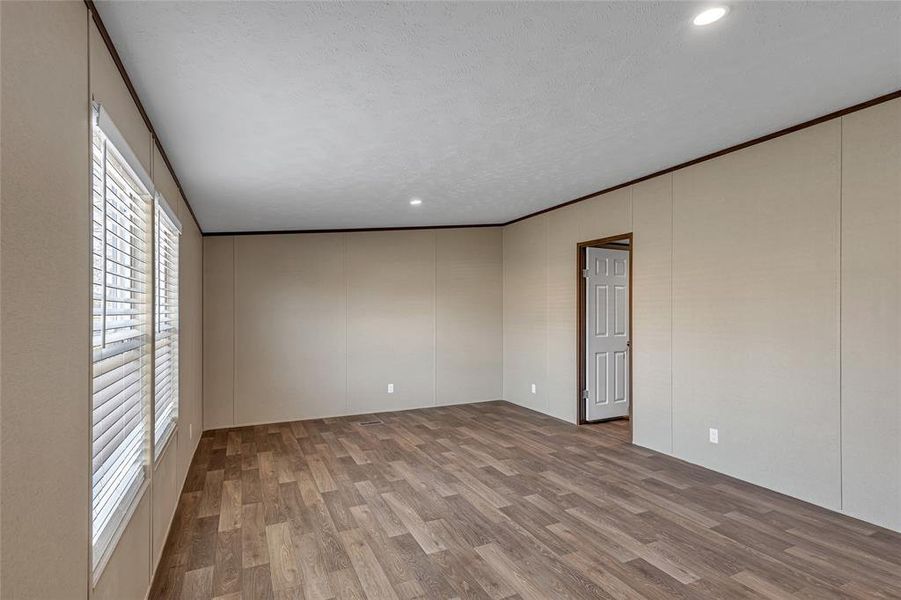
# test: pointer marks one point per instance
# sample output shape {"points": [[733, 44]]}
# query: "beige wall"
{"points": [[468, 312], [316, 325], [540, 299], [218, 332], [525, 315], [766, 304], [755, 314], [871, 314], [390, 279], [289, 318], [45, 300], [652, 312], [48, 51]]}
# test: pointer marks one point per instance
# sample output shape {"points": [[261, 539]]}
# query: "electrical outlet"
{"points": [[390, 388], [534, 389], [714, 436]]}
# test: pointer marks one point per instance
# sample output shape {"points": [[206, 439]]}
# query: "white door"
{"points": [[606, 334]]}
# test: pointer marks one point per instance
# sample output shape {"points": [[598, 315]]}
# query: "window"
{"points": [[166, 326], [121, 335]]}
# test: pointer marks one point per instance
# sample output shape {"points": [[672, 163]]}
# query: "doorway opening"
{"points": [[604, 364]]}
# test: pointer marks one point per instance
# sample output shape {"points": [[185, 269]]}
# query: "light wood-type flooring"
{"points": [[495, 501]]}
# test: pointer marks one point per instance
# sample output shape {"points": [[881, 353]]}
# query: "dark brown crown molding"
{"points": [[95, 15], [356, 230], [759, 140]]}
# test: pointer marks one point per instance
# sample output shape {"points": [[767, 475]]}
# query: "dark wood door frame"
{"points": [[580, 319]]}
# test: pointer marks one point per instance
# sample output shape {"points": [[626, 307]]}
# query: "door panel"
{"points": [[607, 356], [620, 309], [600, 312], [620, 380], [601, 368]]}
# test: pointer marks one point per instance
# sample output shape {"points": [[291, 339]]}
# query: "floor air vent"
{"points": [[372, 422]]}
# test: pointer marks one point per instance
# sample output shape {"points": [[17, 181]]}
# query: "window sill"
{"points": [[117, 536]]}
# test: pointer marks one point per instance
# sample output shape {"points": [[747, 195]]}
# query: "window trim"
{"points": [[101, 553]]}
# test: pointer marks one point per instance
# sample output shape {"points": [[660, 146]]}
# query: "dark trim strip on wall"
{"points": [[752, 142], [134, 96], [357, 230]]}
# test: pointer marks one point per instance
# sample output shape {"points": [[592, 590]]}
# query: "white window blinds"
{"points": [[121, 333], [166, 325]]}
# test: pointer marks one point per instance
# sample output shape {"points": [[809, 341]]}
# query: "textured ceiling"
{"points": [[330, 115]]}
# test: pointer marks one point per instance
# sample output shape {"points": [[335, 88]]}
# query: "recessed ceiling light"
{"points": [[711, 15], [415, 202]]}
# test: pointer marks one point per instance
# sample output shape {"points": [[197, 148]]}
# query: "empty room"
{"points": [[450, 300]]}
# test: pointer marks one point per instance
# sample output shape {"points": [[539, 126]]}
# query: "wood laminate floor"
{"points": [[494, 501]]}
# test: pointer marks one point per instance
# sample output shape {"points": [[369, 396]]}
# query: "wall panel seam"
{"points": [[347, 406], [201, 402], [435, 323], [547, 318], [672, 313], [841, 224], [234, 294]]}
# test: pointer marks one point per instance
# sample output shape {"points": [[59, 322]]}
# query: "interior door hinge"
{"points": [[585, 273], [584, 394]]}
